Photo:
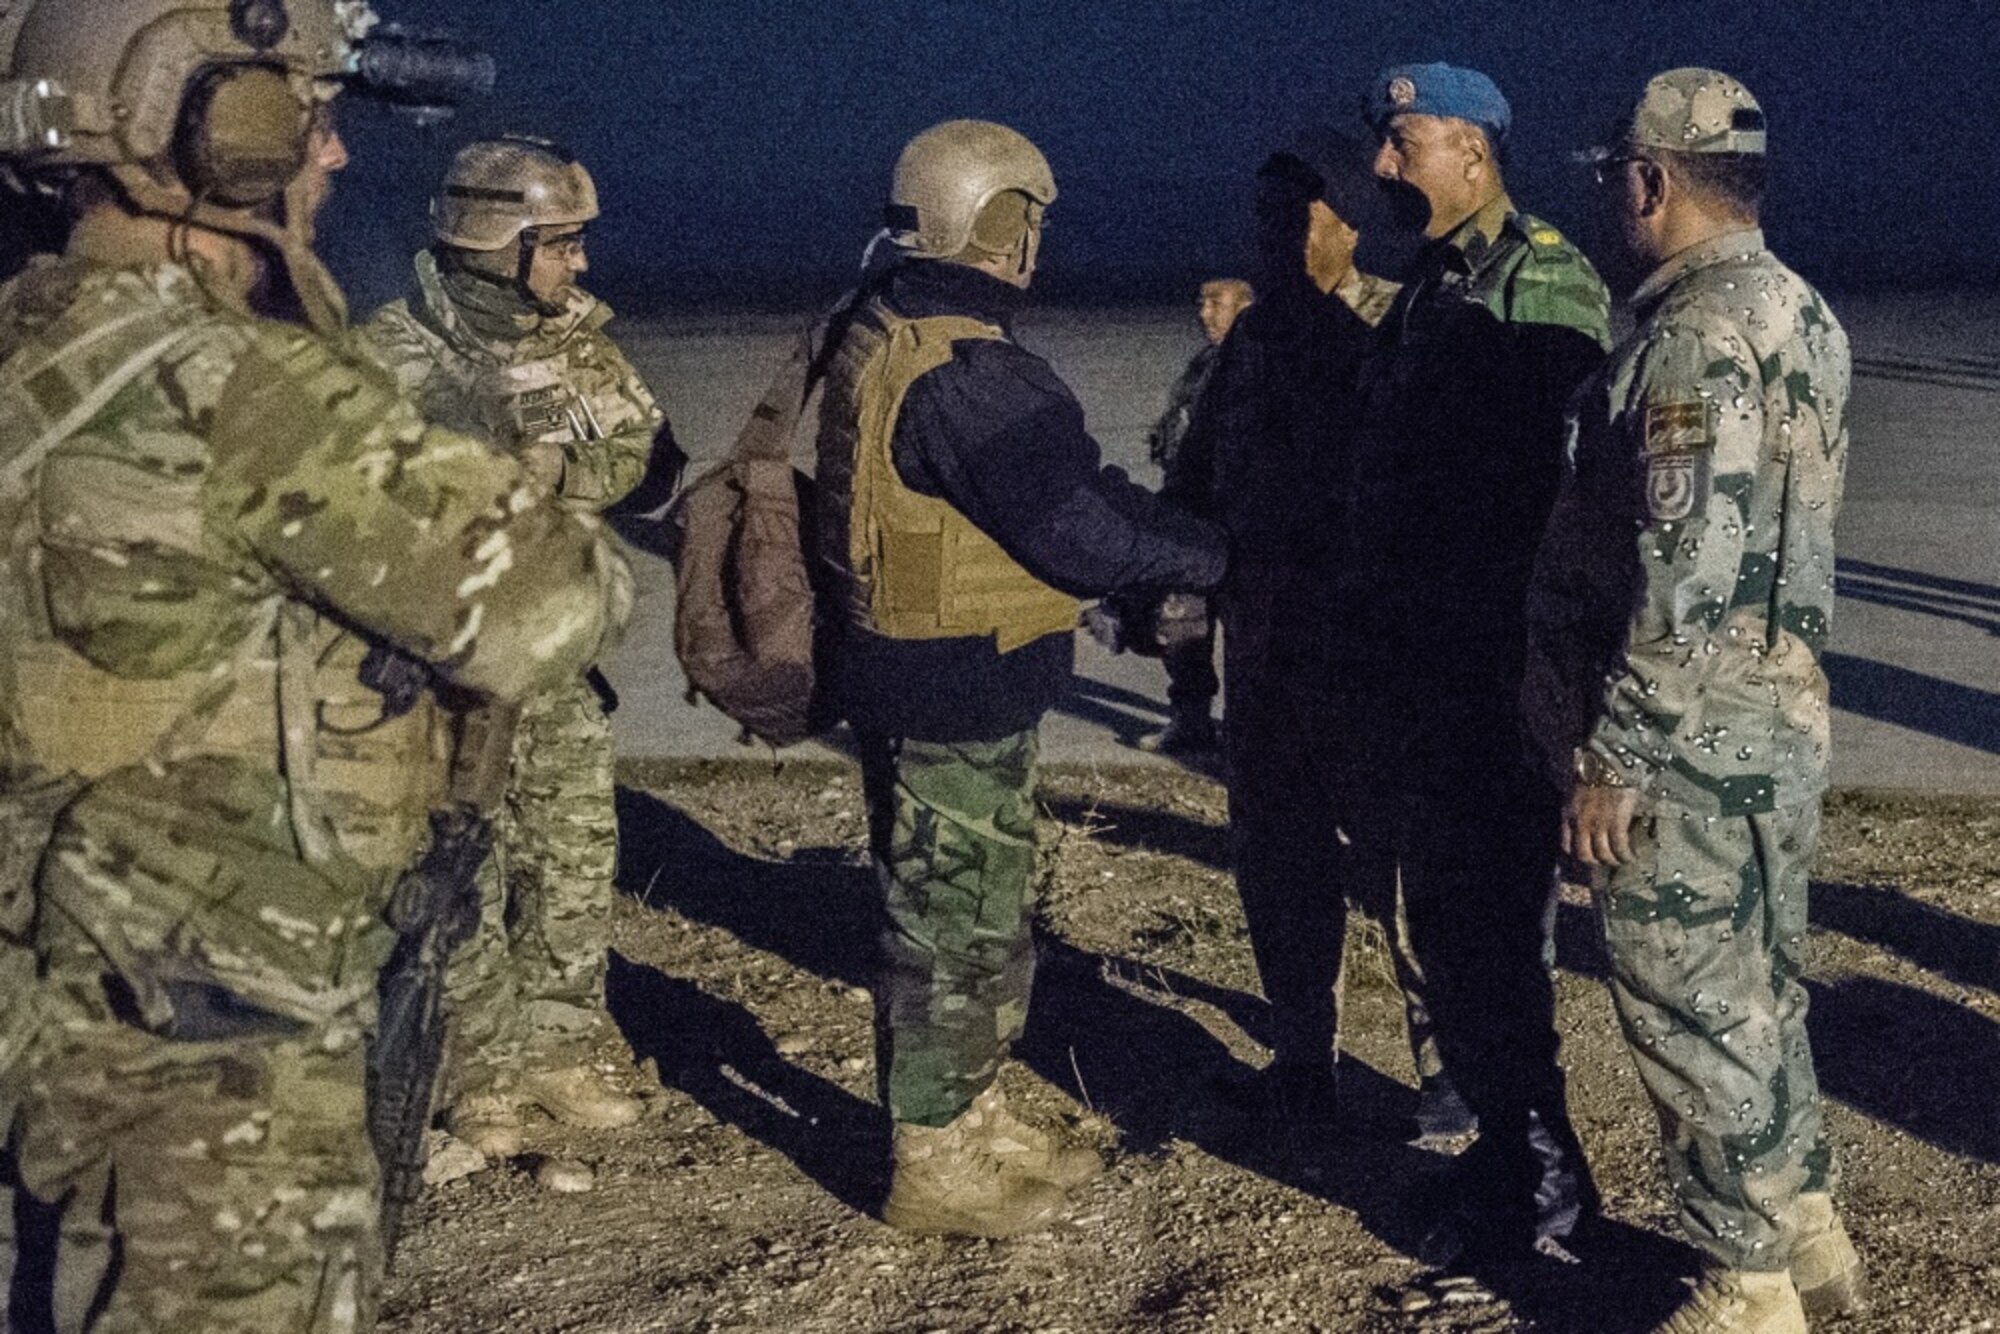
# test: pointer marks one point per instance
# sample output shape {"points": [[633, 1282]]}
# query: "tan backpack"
{"points": [[744, 605]]}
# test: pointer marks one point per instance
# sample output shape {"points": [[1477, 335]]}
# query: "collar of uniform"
{"points": [[115, 248], [478, 334], [1729, 245], [1467, 245], [918, 288]]}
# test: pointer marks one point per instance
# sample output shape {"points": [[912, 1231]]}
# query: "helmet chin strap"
{"points": [[290, 245], [524, 267]]}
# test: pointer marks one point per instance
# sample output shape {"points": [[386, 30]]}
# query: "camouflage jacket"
{"points": [[560, 380], [1685, 589], [209, 520], [1458, 452]]}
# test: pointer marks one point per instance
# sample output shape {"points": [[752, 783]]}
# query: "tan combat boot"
{"points": [[487, 1123], [1825, 1266], [946, 1180], [581, 1096], [1027, 1150], [1739, 1301]]}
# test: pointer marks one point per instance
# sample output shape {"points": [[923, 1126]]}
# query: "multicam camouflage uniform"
{"points": [[477, 357], [1681, 603], [231, 513]]}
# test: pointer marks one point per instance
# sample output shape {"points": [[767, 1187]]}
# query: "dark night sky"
{"points": [[743, 147]]}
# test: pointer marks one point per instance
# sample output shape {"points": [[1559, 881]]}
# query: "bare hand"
{"points": [[1597, 824]]}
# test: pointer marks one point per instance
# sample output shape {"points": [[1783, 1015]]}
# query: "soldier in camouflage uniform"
{"points": [[1454, 467], [1680, 605], [212, 519], [1184, 623], [962, 510], [497, 340]]}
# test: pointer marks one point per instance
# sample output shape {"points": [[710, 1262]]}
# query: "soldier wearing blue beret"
{"points": [[1454, 468]]}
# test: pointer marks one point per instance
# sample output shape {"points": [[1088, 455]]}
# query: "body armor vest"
{"points": [[909, 566], [100, 672]]}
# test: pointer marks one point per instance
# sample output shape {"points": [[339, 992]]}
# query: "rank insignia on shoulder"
{"points": [[1546, 236], [1679, 428]]}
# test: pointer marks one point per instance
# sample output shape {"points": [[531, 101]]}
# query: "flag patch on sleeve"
{"points": [[1680, 428]]}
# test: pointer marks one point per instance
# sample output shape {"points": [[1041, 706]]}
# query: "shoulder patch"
{"points": [[1675, 485], [1683, 427]]}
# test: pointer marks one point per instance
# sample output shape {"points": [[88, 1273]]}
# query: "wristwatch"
{"points": [[1593, 770]]}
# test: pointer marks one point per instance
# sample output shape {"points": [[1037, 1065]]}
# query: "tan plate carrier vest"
{"points": [[921, 569]]}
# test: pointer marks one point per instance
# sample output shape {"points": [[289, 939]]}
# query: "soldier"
{"points": [[962, 510], [1680, 605], [218, 525], [1455, 466], [1265, 455], [497, 340], [1184, 625]]}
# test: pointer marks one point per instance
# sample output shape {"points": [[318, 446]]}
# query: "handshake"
{"points": [[1150, 625]]}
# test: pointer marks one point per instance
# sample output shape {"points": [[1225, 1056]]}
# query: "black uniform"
{"points": [[1456, 465]]}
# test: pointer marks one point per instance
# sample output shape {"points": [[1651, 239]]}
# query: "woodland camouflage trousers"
{"points": [[952, 827]]}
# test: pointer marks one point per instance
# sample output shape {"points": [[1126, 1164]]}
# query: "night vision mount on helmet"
{"points": [[204, 110]]}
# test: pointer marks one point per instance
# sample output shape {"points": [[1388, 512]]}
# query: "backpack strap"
{"points": [[47, 395], [767, 432]]}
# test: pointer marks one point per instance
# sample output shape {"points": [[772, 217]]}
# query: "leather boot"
{"points": [[1737, 1301], [946, 1180], [487, 1123], [1825, 1266], [1187, 733], [581, 1096], [1027, 1150]]}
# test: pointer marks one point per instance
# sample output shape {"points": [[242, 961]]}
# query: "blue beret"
{"points": [[1438, 90]]}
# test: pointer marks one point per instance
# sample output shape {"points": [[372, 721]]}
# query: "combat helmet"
{"points": [[497, 198], [497, 189], [204, 110], [946, 177]]}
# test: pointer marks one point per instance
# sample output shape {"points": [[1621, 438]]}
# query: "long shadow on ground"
{"points": [[813, 911], [1144, 829], [1910, 1059], [816, 910], [1956, 948], [716, 1052], [1108, 1031]]}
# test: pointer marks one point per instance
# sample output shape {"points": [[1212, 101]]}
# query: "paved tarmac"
{"points": [[1915, 658]]}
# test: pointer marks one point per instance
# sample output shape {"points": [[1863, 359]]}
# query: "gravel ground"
{"points": [[741, 948]]}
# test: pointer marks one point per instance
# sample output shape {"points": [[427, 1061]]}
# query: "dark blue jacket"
{"points": [[995, 434]]}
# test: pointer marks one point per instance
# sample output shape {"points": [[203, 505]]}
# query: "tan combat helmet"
{"points": [[948, 175], [496, 189], [204, 110]]}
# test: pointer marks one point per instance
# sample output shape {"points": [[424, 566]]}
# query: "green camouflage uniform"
{"points": [[232, 510], [954, 841], [477, 358], [1681, 603]]}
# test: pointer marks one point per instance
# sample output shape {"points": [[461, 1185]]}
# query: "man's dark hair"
{"points": [[1733, 180]]}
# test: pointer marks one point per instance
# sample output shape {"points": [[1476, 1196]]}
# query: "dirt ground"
{"points": [[741, 950]]}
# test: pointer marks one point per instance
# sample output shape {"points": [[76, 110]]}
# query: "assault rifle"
{"points": [[435, 910]]}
